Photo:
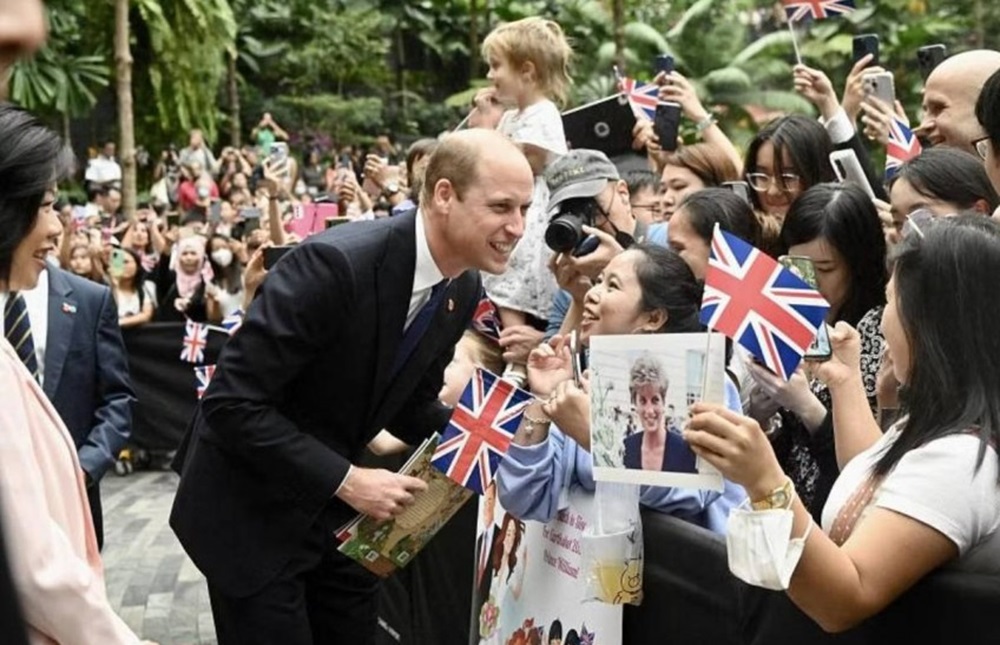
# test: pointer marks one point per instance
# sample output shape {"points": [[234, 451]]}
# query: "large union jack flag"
{"points": [[903, 145], [480, 430], [486, 320], [204, 374], [643, 97], [760, 304], [195, 342], [796, 10]]}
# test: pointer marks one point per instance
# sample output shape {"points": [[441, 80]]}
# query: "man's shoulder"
{"points": [[81, 287]]}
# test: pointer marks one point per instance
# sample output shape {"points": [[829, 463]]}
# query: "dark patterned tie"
{"points": [[17, 329], [418, 327]]}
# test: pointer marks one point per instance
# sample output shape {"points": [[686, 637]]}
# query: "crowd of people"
{"points": [[882, 459]]}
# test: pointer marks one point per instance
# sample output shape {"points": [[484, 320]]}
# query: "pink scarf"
{"points": [[188, 283]]}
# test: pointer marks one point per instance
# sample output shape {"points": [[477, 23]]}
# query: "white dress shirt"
{"points": [[426, 273], [37, 302]]}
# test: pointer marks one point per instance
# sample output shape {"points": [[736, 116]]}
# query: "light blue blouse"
{"points": [[531, 481]]}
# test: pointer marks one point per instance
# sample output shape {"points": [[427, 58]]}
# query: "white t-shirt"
{"points": [[937, 485], [128, 303], [528, 285]]}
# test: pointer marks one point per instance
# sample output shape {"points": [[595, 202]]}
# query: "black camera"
{"points": [[564, 233]]}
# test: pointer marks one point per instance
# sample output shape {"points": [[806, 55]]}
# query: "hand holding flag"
{"points": [[763, 306]]}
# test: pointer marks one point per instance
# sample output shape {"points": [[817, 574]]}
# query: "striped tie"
{"points": [[17, 329]]}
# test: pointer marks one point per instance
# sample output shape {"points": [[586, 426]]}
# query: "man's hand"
{"points": [[379, 493], [518, 341]]}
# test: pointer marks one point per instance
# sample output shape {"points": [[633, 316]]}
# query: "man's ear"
{"points": [[444, 192]]}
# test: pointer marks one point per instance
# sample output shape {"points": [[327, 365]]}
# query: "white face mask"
{"points": [[760, 547], [222, 257]]}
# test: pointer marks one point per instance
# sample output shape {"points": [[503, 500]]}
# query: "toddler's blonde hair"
{"points": [[539, 42]]}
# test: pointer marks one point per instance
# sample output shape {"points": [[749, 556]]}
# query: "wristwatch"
{"points": [[779, 498], [390, 189]]}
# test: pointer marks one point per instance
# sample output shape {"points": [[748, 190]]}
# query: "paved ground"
{"points": [[151, 582]]}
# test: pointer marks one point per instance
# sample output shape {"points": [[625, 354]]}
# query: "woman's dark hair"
{"points": [[497, 558], [988, 110], [139, 278], [707, 161], [844, 216], [667, 283], [954, 359], [710, 206], [950, 175], [555, 630], [807, 145], [231, 277], [32, 159]]}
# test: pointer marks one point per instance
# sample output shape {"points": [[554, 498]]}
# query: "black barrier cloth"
{"points": [[164, 384]]}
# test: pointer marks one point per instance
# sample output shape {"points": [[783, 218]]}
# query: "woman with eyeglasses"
{"points": [[922, 496], [837, 227], [787, 157], [942, 181]]}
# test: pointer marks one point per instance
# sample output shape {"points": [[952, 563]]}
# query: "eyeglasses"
{"points": [[762, 182], [922, 220], [982, 146]]}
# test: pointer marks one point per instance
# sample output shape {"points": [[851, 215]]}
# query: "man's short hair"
{"points": [[457, 161]]}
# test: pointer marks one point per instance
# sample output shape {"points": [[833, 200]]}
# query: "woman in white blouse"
{"points": [[922, 496]]}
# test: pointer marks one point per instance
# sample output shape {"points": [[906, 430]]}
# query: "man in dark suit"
{"points": [[350, 333], [74, 325]]}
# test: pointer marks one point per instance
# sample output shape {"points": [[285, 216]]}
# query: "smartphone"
{"points": [[929, 57], [116, 267], [330, 223], [274, 253], [250, 212], [215, 212], [664, 63], [740, 188], [881, 86], [173, 219], [863, 45], [278, 159], [667, 124], [803, 267], [849, 171]]}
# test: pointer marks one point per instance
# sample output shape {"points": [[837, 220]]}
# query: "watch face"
{"points": [[779, 499]]}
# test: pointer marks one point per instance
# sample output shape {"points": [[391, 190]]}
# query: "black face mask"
{"points": [[624, 239]]}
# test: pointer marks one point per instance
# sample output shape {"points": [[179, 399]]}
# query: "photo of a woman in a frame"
{"points": [[654, 447]]}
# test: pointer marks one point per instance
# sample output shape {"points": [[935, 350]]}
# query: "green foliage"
{"points": [[346, 120]]}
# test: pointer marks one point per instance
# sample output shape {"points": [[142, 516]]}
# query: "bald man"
{"points": [[350, 333], [949, 105]]}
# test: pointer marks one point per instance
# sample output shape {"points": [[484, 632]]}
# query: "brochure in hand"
{"points": [[383, 546]]}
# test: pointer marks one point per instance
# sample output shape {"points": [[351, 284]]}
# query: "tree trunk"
{"points": [[473, 39], [233, 89], [618, 12], [126, 126], [66, 133]]}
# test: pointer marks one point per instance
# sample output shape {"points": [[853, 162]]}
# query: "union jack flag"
{"points": [[479, 432], [903, 146], [204, 374], [643, 97], [760, 304], [195, 342], [485, 320], [233, 321], [817, 9]]}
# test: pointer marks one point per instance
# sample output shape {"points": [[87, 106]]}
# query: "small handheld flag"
{"points": [[479, 432], [486, 320], [643, 97], [903, 145], [233, 321], [195, 342], [204, 374], [760, 304], [797, 10]]}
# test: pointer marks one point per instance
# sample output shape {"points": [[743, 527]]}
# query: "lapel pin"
{"points": [[68, 308], [451, 305]]}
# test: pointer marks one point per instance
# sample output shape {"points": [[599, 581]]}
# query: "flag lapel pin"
{"points": [[451, 305], [68, 308]]}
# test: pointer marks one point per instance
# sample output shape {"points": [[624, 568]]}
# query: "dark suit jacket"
{"points": [[301, 389], [677, 455], [86, 369]]}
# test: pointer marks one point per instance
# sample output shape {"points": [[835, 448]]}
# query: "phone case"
{"points": [[667, 124], [881, 86]]}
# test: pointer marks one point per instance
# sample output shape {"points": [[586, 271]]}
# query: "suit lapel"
{"points": [[62, 316], [393, 287]]}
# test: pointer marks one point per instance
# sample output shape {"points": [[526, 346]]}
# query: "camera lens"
{"points": [[564, 232]]}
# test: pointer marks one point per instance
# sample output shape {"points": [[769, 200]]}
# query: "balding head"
{"points": [[950, 95], [477, 189], [460, 158]]}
